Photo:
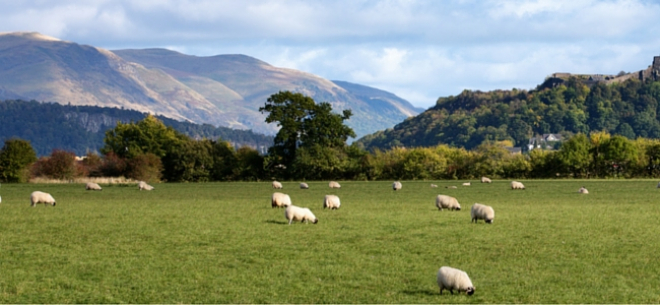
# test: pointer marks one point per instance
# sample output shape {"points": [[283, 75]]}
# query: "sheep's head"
{"points": [[489, 221], [470, 291], [53, 204], [316, 220]]}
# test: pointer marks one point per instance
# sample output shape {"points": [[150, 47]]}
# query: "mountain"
{"points": [[222, 90], [81, 129], [567, 105]]}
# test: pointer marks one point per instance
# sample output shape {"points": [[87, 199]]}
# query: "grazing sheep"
{"points": [[658, 185], [0, 199], [396, 185], [279, 200], [41, 197], [467, 183], [334, 185], [452, 278], [515, 185], [447, 202], [91, 186], [583, 190], [481, 211], [294, 213], [144, 186], [331, 202], [304, 186], [433, 185], [451, 187], [485, 180], [277, 185]]}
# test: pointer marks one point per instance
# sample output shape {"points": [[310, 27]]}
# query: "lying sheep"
{"points": [[433, 185], [91, 186], [277, 185], [304, 186], [396, 185], [583, 190], [144, 186], [279, 200], [41, 197], [294, 213], [485, 180], [331, 202], [334, 185], [515, 185], [451, 187], [447, 202], [452, 278], [467, 183], [481, 211]]}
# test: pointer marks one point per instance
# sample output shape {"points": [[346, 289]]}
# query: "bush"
{"points": [[145, 167]]}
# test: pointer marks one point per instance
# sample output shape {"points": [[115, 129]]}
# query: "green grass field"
{"points": [[223, 243]]}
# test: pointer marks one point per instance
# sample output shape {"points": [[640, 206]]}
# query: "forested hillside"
{"points": [[567, 106], [81, 129]]}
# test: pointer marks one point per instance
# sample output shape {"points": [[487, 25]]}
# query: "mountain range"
{"points": [[222, 90]]}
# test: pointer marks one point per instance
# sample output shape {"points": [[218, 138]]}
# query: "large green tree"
{"points": [[303, 124], [149, 135], [15, 157]]}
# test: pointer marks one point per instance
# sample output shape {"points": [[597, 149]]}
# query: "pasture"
{"points": [[223, 243]]}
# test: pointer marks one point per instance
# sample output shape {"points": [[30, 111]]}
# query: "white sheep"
{"points": [[434, 185], [485, 180], [91, 186], [583, 190], [452, 278], [396, 185], [41, 197], [451, 187], [515, 185], [277, 185], [658, 185], [331, 202], [294, 213], [304, 186], [334, 185], [144, 186], [279, 200], [447, 202], [467, 183], [481, 211]]}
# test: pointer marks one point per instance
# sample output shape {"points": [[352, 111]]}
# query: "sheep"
{"points": [[144, 186], [295, 213], [279, 200], [481, 211], [467, 183], [331, 202], [433, 185], [277, 185], [304, 186], [396, 185], [447, 202], [451, 187], [334, 185], [485, 180], [515, 185], [658, 185], [452, 278], [91, 186], [41, 197], [583, 190]]}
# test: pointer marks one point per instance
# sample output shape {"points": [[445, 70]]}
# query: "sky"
{"points": [[418, 50]]}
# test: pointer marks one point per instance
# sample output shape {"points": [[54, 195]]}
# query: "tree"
{"points": [[15, 158], [60, 165], [149, 135], [303, 123], [574, 155]]}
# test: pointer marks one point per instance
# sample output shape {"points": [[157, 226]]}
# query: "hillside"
{"points": [[81, 129], [222, 90], [565, 106]]}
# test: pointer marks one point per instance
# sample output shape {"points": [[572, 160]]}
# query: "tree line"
{"points": [[311, 145], [567, 107]]}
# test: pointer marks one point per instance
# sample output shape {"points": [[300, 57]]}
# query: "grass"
{"points": [[223, 243]]}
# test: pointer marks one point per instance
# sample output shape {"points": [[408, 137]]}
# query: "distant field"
{"points": [[223, 243]]}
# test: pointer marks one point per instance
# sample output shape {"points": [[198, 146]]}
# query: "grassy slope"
{"points": [[222, 243]]}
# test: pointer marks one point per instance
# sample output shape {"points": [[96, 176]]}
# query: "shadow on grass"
{"points": [[277, 222], [421, 292]]}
